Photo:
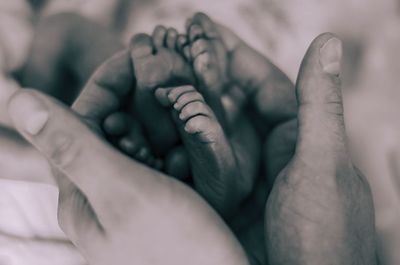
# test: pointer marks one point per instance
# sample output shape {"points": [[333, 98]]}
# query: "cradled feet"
{"points": [[214, 167]]}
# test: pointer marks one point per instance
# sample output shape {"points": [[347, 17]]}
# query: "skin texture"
{"points": [[210, 153], [320, 210], [116, 218], [157, 63], [228, 190], [266, 96], [247, 223], [271, 101], [264, 84], [51, 62]]}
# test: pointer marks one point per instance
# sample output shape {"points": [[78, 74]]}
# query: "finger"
{"points": [[270, 91], [321, 124], [172, 35], [106, 89], [159, 35], [67, 143]]}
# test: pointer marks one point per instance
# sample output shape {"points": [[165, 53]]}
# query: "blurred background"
{"points": [[282, 30]]}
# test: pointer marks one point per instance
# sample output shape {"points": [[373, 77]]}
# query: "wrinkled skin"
{"points": [[272, 104], [320, 210], [116, 210]]}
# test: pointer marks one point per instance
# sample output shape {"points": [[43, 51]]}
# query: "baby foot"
{"points": [[156, 63], [213, 163], [127, 134], [209, 56]]}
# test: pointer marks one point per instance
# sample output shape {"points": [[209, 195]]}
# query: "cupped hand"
{"points": [[115, 210], [320, 210]]}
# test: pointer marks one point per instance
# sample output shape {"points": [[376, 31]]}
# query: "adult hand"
{"points": [[114, 209], [320, 209]]}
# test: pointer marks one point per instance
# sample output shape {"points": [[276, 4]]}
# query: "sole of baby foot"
{"points": [[214, 167]]}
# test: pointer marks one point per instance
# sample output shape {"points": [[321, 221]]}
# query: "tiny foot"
{"points": [[156, 64], [127, 134], [209, 55], [213, 163], [209, 58]]}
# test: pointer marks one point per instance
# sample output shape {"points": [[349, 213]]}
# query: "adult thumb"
{"points": [[318, 89], [66, 141]]}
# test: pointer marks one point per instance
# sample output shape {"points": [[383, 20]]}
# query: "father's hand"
{"points": [[320, 210], [115, 210]]}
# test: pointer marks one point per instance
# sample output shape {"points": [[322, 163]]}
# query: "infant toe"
{"points": [[172, 35], [193, 109], [141, 46], [198, 47], [187, 98], [159, 34], [195, 32]]}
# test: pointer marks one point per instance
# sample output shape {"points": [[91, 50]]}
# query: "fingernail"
{"points": [[331, 55], [28, 113]]}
